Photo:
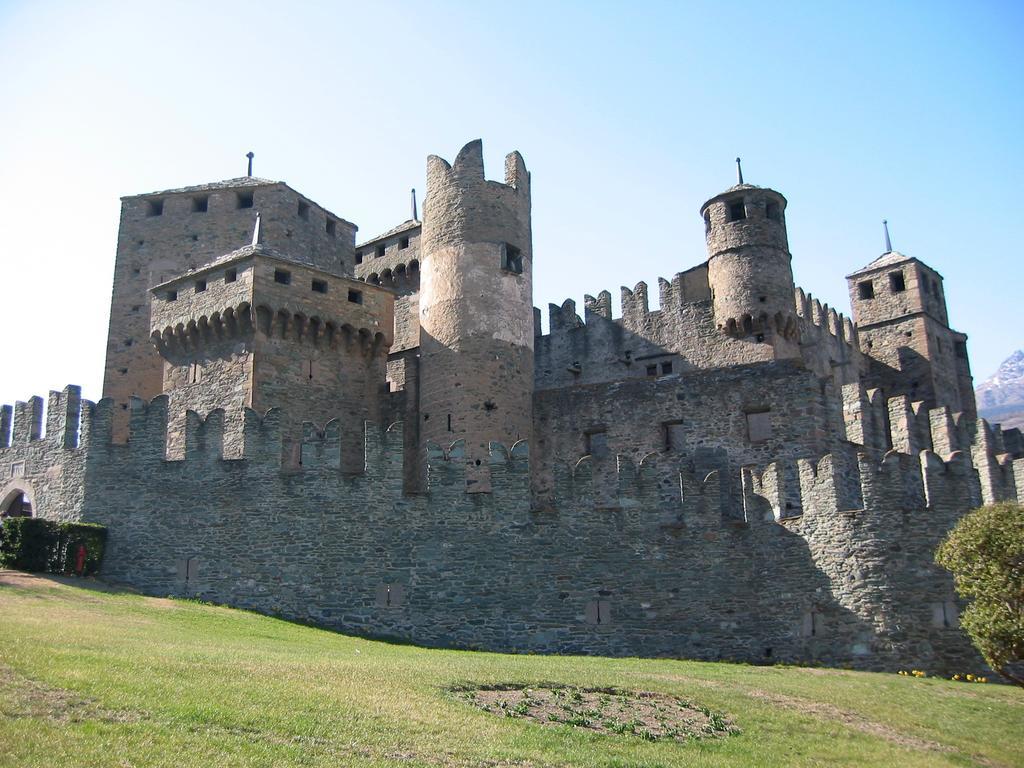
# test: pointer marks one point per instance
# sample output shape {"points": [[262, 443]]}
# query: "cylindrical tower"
{"points": [[749, 267], [476, 304]]}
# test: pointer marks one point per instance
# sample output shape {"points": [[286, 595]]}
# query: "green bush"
{"points": [[985, 553], [27, 543], [46, 546]]}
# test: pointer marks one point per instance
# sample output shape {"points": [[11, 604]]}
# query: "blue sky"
{"points": [[629, 116]]}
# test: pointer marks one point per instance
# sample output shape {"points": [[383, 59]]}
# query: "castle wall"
{"points": [[682, 333], [162, 235], [44, 458], [221, 376], [751, 414], [651, 558]]}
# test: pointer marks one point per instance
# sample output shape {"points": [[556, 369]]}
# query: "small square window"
{"points": [[380, 251], [866, 290], [201, 204], [359, 257], [331, 227], [512, 259], [896, 282], [245, 199], [759, 426], [652, 370], [597, 443], [403, 243], [200, 286], [171, 296], [666, 368], [356, 297], [771, 210], [230, 276], [282, 276], [303, 209], [737, 211], [155, 208], [319, 286]]}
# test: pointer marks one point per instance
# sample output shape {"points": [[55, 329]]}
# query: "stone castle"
{"points": [[379, 438]]}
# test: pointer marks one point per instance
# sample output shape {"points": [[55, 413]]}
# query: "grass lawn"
{"points": [[91, 678]]}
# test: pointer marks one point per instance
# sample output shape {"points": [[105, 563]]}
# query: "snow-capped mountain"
{"points": [[1001, 395]]}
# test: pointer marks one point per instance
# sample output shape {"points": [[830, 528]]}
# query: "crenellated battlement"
{"points": [[685, 288], [826, 319]]}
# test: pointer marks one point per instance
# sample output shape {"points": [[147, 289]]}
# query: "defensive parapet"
{"points": [[43, 472], [829, 343]]}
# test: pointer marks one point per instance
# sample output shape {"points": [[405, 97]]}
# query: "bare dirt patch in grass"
{"points": [[25, 698], [649, 716]]}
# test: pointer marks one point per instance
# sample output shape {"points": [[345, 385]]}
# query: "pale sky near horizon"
{"points": [[628, 116]]}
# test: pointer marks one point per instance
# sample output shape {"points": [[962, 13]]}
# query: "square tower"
{"points": [[257, 329], [164, 234], [900, 309]]}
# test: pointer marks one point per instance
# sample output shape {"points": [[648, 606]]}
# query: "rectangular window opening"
{"points": [[230, 276], [359, 257], [282, 276], [155, 208], [897, 282], [380, 251], [759, 426], [771, 210], [666, 368], [200, 286], [319, 286], [331, 227], [356, 297], [673, 431], [403, 243], [597, 443], [511, 259], [245, 199], [303, 209], [171, 296], [866, 290], [737, 211], [200, 204]]}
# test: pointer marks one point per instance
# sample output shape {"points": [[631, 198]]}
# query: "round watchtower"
{"points": [[476, 305], [749, 268]]}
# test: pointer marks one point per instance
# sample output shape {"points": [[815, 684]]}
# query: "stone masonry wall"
{"points": [[674, 561], [752, 414], [164, 234]]}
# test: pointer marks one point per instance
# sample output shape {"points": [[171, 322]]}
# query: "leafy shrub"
{"points": [[27, 543], [46, 546], [985, 553]]}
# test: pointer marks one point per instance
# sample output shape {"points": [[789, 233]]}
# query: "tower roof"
{"points": [[743, 188], [890, 259], [240, 182], [405, 226], [244, 253]]}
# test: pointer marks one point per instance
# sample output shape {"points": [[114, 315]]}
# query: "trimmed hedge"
{"points": [[35, 544]]}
